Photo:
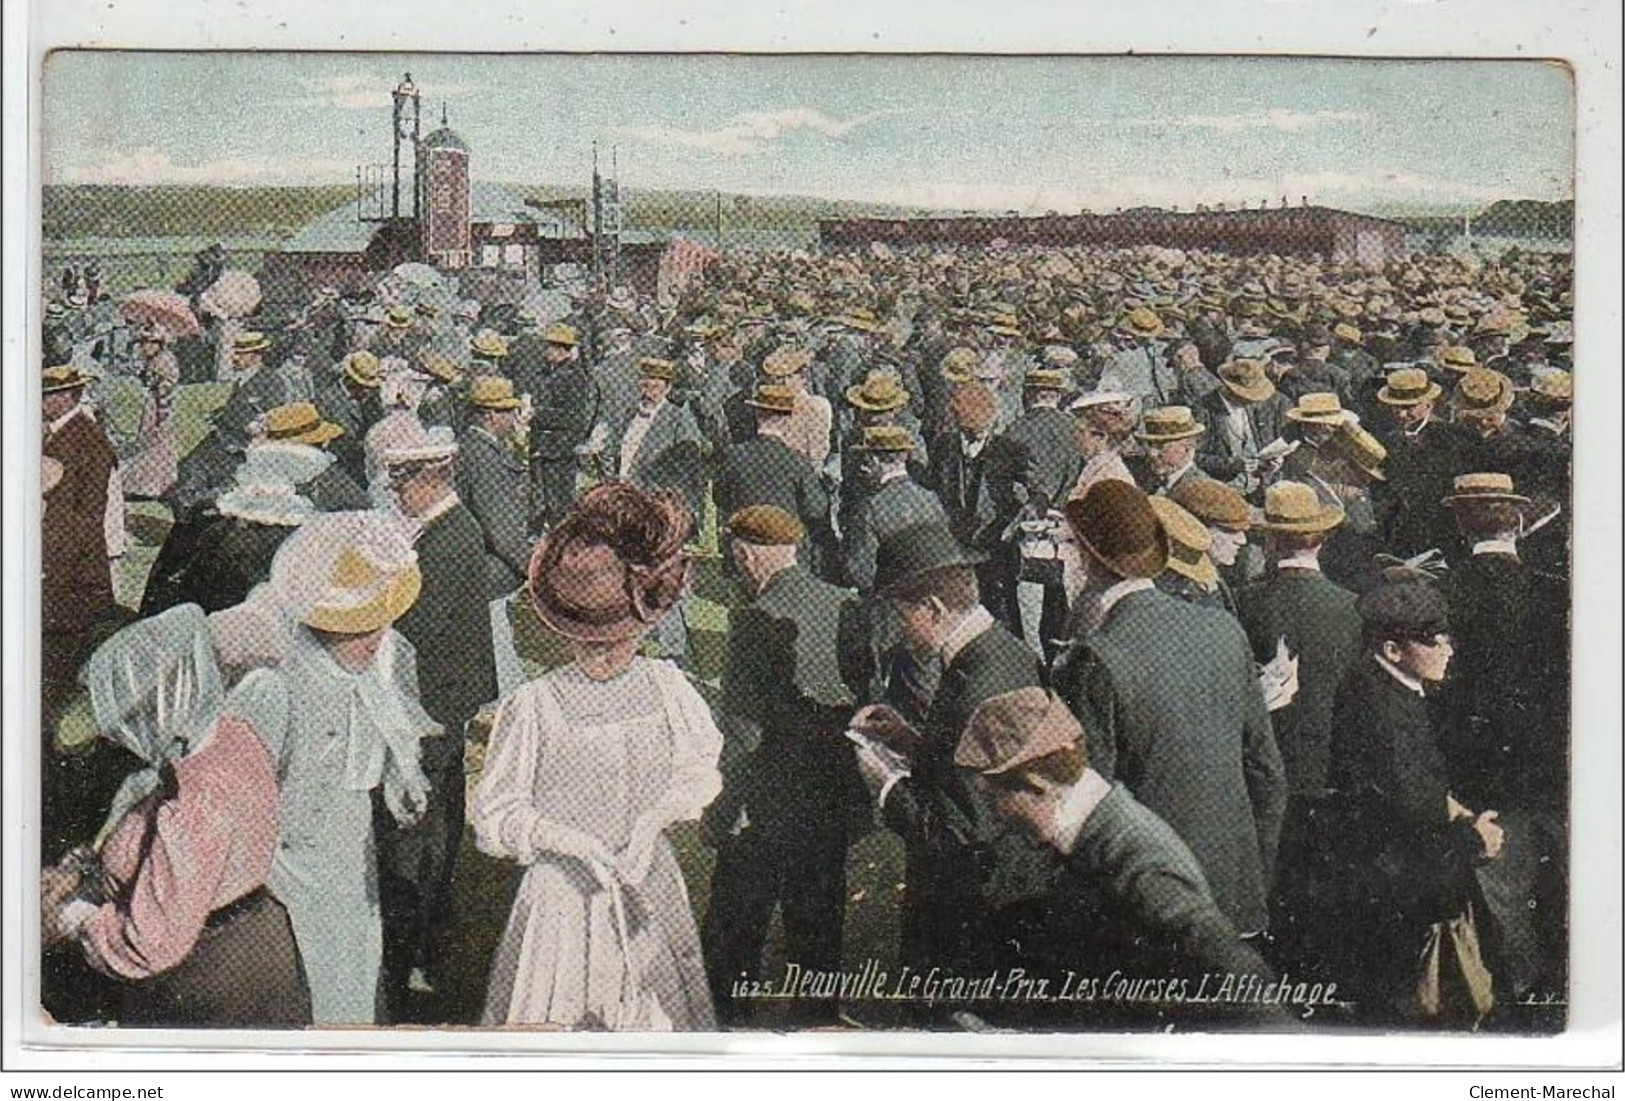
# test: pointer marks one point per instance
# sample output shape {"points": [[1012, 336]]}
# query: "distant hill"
{"points": [[73, 210], [1508, 217]]}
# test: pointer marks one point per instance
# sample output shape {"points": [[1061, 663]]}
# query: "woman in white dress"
{"points": [[322, 624], [588, 765]]}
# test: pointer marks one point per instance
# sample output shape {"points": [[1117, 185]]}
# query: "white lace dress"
{"points": [[581, 780]]}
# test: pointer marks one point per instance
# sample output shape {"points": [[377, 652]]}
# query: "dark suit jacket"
{"points": [[1218, 453], [963, 863], [764, 471], [795, 670], [893, 508], [1420, 472], [669, 456], [334, 490], [1321, 627], [977, 516], [494, 485], [1506, 700], [450, 628], [1169, 699], [565, 400], [1045, 458]]}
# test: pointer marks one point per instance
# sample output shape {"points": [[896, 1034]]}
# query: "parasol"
{"points": [[235, 294], [164, 309]]}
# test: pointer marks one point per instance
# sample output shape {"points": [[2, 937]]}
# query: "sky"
{"points": [[944, 132]]}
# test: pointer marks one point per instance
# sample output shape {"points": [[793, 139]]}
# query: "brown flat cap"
{"points": [[1009, 730], [767, 526]]}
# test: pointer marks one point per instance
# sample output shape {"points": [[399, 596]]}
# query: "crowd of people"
{"points": [[1198, 622]]}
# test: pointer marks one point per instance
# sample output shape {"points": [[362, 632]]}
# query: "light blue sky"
{"points": [[948, 132]]}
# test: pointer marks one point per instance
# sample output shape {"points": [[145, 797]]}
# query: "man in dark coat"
{"points": [[660, 447], [1297, 605], [1170, 436], [450, 628], [1242, 417], [564, 407], [894, 501], [961, 460], [764, 471], [350, 396], [1506, 736], [1043, 444], [1129, 897], [791, 793], [963, 865], [492, 482], [1139, 659], [1424, 454]]}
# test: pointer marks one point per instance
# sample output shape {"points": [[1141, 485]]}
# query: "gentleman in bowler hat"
{"points": [[791, 794], [1139, 658]]}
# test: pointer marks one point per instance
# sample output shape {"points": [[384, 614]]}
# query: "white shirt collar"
{"points": [[1173, 479], [973, 626], [1300, 562], [1077, 805], [1417, 431], [1108, 599], [970, 448], [1400, 675], [1496, 546], [893, 476], [55, 426], [1554, 427]]}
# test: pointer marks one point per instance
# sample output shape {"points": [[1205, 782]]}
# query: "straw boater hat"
{"points": [[773, 399], [1552, 385], [245, 343], [1457, 359], [1348, 333], [1483, 489], [786, 360], [1170, 423], [1483, 390], [766, 526], [1214, 503], [1090, 399], [1115, 522], [362, 597], [362, 368], [1141, 321], [662, 369], [1318, 407], [1188, 543], [613, 567], [1005, 324], [493, 392], [66, 377], [1295, 507], [1408, 386], [959, 365], [439, 366], [880, 392], [862, 320], [1047, 380], [561, 334], [892, 438], [1245, 378], [398, 317], [488, 345], [299, 422], [1362, 449], [1015, 728], [919, 550]]}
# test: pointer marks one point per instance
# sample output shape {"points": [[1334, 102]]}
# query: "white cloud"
{"points": [[750, 132], [366, 92], [149, 166], [1279, 119]]}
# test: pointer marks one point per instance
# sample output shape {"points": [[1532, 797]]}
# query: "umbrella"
{"points": [[234, 294], [165, 309], [419, 275]]}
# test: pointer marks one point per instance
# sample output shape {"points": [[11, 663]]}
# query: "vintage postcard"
{"points": [[866, 545]]}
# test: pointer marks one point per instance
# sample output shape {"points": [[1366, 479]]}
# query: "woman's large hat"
{"points": [[918, 550], [361, 597], [346, 572], [1483, 488], [1115, 522], [880, 392], [1246, 379], [1170, 423], [299, 422], [1408, 386], [1297, 508], [613, 566], [1188, 542], [266, 485]]}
